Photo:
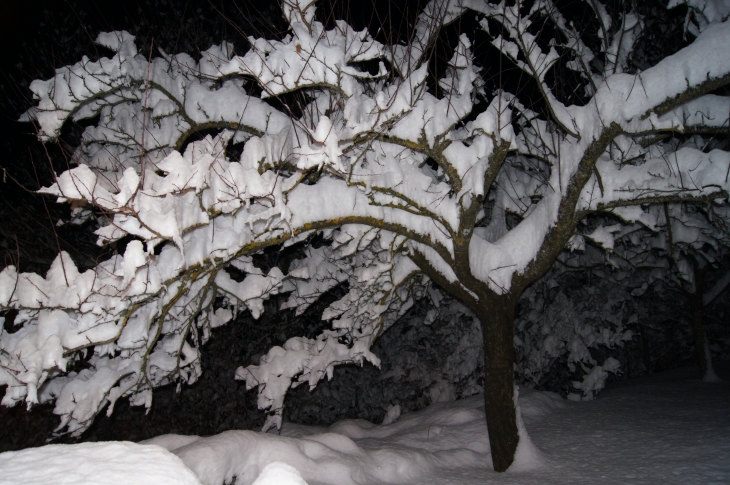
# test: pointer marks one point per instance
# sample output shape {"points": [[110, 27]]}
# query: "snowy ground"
{"points": [[665, 428]]}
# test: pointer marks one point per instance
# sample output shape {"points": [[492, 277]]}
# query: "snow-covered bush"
{"points": [[685, 253], [563, 329], [426, 358], [407, 179]]}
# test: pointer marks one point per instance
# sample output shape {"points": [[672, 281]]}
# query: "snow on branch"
{"points": [[409, 178]]}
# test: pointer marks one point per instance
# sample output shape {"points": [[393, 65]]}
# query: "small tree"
{"points": [[409, 183]]}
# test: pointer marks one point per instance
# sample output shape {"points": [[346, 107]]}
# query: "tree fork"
{"points": [[496, 315]]}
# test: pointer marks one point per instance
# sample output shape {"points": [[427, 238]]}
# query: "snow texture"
{"points": [[666, 428], [108, 463]]}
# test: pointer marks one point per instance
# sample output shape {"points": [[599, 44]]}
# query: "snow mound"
{"points": [[667, 428], [537, 404], [278, 473], [110, 463], [446, 435]]}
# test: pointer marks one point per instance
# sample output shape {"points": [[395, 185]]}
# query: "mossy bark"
{"points": [[497, 319]]}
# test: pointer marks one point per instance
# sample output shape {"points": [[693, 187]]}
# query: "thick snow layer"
{"points": [[667, 428], [110, 463], [278, 473]]}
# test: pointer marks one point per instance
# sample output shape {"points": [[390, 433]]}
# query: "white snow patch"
{"points": [[279, 473], [444, 436], [108, 463]]}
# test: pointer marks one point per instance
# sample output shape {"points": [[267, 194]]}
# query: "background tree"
{"points": [[696, 245], [686, 252], [406, 181]]}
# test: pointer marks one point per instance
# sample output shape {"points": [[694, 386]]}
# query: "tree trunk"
{"points": [[702, 348], [645, 350], [497, 321]]}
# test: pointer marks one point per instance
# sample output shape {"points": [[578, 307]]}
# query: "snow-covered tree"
{"points": [[573, 324], [409, 183], [696, 242], [685, 252]]}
